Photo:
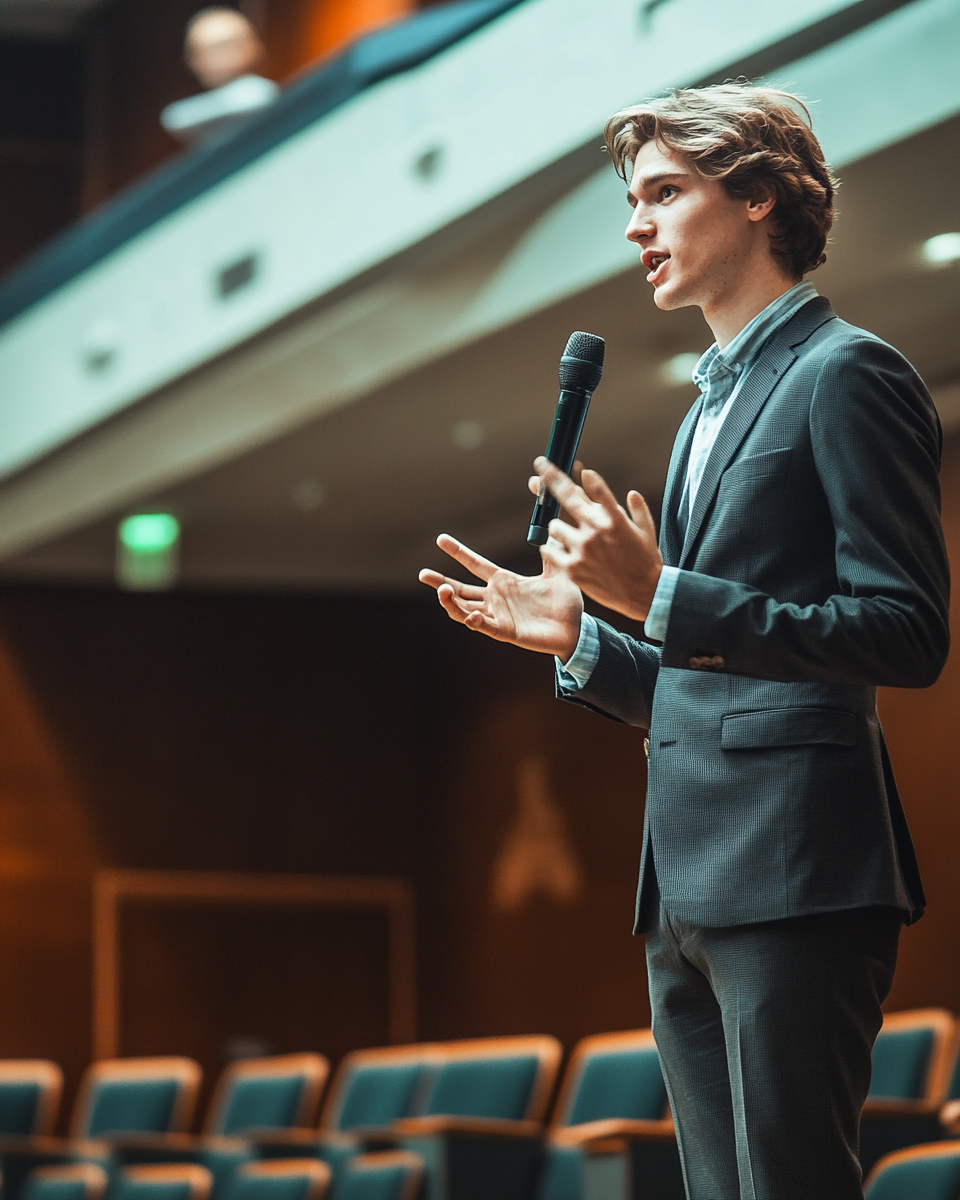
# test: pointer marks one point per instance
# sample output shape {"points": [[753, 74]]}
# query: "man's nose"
{"points": [[640, 226]]}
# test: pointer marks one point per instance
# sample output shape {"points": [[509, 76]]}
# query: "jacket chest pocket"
{"points": [[788, 727]]}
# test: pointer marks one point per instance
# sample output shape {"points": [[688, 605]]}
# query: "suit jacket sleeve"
{"points": [[621, 684], [876, 442]]}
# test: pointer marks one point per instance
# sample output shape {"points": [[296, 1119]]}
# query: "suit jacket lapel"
{"points": [[775, 359], [676, 475]]}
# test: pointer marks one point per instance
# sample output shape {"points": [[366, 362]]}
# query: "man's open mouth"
{"points": [[653, 260]]}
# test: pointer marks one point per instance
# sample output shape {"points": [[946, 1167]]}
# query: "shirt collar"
{"points": [[744, 349]]}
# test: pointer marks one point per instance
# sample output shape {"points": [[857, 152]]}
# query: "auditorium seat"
{"points": [[162, 1181], [929, 1172], [279, 1092], [612, 1133], [391, 1175], [118, 1098], [950, 1113], [257, 1096], [280, 1179], [912, 1062], [479, 1130], [371, 1089], [30, 1091], [78, 1181]]}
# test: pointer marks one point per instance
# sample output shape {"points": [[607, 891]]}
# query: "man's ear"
{"points": [[760, 205]]}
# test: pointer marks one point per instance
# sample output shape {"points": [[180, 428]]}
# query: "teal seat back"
{"points": [[19, 1100], [364, 1179], [625, 1083], [37, 1187], [377, 1093], [483, 1087], [927, 1178], [132, 1106], [124, 1188], [953, 1089], [901, 1060], [269, 1187], [562, 1175], [261, 1102]]}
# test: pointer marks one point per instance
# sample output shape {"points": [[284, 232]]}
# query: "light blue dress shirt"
{"points": [[718, 375]]}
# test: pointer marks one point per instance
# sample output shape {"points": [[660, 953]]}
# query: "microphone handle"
{"points": [[562, 452]]}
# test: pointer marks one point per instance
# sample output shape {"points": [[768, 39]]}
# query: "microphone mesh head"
{"points": [[587, 346], [582, 362]]}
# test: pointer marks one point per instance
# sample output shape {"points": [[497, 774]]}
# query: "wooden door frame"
{"points": [[235, 889]]}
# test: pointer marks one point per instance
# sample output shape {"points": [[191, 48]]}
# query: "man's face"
{"points": [[221, 47], [697, 242]]}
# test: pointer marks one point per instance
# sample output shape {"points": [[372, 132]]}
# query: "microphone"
{"points": [[580, 369]]}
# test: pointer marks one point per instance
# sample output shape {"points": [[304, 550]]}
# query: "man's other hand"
{"points": [[609, 552], [536, 612]]}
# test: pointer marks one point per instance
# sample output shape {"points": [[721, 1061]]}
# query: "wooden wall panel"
{"points": [[922, 732]]}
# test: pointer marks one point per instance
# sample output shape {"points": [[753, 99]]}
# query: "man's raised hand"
{"points": [[537, 612], [610, 554]]}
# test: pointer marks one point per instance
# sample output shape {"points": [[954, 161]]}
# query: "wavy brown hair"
{"points": [[756, 141]]}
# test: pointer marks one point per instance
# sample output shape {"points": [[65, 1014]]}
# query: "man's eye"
{"points": [[667, 192]]}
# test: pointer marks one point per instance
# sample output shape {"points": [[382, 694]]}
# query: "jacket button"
{"points": [[646, 747]]}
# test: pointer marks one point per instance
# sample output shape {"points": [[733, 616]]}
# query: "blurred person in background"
{"points": [[223, 50]]}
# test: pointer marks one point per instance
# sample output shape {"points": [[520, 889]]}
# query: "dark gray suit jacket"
{"points": [[813, 570]]}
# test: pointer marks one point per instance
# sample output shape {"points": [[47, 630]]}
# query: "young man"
{"points": [[800, 564]]}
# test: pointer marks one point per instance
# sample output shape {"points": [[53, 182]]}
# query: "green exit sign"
{"points": [[148, 551]]}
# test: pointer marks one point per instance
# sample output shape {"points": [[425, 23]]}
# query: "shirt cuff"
{"points": [[658, 618], [577, 670]]}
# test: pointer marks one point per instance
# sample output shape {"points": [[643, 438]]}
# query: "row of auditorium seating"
{"points": [[472, 1113], [912, 1115], [469, 1117]]}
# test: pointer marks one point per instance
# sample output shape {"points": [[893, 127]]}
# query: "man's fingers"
{"points": [[561, 487], [639, 512], [554, 555], [596, 487], [475, 563], [533, 483], [463, 591], [453, 606], [562, 533]]}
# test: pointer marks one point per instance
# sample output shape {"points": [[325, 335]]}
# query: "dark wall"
{"points": [[41, 127], [921, 730]]}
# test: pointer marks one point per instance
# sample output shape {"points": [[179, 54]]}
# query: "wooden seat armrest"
{"points": [[361, 1137], [612, 1127], [147, 1141], [36, 1142], [268, 1136], [469, 1126], [605, 1145], [950, 1117], [41, 1143], [881, 1107]]}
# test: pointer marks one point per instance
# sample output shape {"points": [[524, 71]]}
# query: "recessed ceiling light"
{"points": [[468, 435], [944, 248], [678, 370]]}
